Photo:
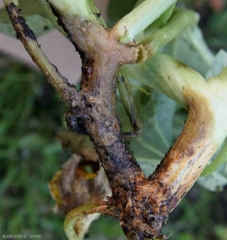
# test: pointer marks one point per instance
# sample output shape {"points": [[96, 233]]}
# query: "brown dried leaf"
{"points": [[80, 181], [75, 186]]}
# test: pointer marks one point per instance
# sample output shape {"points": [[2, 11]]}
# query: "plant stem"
{"points": [[30, 43], [160, 22]]}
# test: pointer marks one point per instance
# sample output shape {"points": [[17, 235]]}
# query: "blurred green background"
{"points": [[30, 116]]}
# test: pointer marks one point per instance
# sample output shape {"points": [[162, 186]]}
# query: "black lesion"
{"points": [[87, 68], [76, 121], [19, 21]]}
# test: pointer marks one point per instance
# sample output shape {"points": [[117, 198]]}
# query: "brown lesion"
{"points": [[186, 159]]}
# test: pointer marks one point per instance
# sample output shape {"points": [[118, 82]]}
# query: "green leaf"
{"points": [[214, 182], [156, 113], [191, 48], [148, 165], [218, 64]]}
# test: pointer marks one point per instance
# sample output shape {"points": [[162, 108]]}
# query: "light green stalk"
{"points": [[140, 18], [160, 22], [180, 20], [156, 25]]}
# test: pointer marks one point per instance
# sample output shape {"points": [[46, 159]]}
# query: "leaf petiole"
{"points": [[180, 20], [140, 18]]}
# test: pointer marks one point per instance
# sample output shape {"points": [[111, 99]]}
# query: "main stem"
{"points": [[96, 114], [93, 110]]}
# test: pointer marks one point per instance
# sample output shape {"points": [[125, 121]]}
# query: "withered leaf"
{"points": [[74, 186]]}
